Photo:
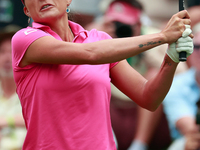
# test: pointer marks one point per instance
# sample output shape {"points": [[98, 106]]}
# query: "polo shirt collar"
{"points": [[76, 29], [38, 25]]}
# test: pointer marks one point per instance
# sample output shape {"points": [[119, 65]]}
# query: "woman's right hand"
{"points": [[176, 26]]}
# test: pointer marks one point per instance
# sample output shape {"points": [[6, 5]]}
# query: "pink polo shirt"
{"points": [[65, 107]]}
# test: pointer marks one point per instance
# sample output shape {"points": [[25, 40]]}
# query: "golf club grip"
{"points": [[182, 55]]}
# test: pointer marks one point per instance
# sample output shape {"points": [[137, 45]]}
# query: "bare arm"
{"points": [[150, 93], [51, 51]]}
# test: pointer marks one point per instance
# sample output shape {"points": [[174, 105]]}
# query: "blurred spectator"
{"points": [[11, 12], [12, 127], [180, 104], [194, 11], [120, 19]]}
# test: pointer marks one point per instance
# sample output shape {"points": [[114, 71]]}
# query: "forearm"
{"points": [[114, 50], [157, 87]]}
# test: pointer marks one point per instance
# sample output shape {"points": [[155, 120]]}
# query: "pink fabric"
{"points": [[65, 107]]}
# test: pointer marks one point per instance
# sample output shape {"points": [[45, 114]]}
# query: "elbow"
{"points": [[92, 59], [151, 101], [153, 109], [91, 56], [95, 54], [96, 58]]}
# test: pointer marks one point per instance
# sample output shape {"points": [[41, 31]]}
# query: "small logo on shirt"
{"points": [[28, 31]]}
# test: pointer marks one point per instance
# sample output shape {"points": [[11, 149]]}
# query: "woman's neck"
{"points": [[62, 28]]}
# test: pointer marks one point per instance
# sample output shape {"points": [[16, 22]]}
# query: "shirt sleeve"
{"points": [[21, 41]]}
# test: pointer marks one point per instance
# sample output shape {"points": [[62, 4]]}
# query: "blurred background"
{"points": [[133, 127]]}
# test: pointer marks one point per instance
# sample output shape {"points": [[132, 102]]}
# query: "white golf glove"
{"points": [[185, 43]]}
